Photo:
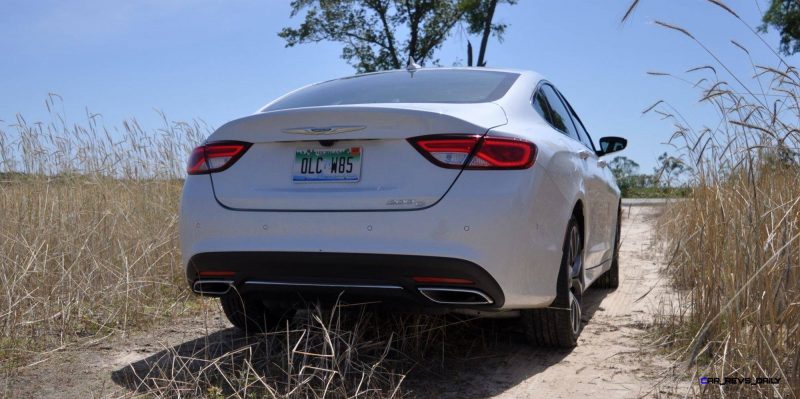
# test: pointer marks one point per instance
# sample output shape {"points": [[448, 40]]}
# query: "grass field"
{"points": [[88, 239], [657, 192]]}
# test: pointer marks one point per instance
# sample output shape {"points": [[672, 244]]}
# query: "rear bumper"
{"points": [[511, 229], [292, 277]]}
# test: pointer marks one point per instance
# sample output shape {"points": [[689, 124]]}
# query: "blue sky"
{"points": [[221, 59]]}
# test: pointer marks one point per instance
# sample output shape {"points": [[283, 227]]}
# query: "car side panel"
{"points": [[596, 240], [563, 185], [571, 177], [611, 193]]}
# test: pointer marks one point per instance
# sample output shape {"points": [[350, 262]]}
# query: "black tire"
{"points": [[610, 279], [250, 315], [560, 325]]}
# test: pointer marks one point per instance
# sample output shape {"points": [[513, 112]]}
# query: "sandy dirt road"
{"points": [[610, 357], [610, 361]]}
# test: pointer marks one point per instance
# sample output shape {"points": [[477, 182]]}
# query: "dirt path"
{"points": [[609, 362], [609, 357]]}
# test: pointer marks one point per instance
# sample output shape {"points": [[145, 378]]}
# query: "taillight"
{"points": [[215, 157], [445, 150], [453, 151], [503, 153]]}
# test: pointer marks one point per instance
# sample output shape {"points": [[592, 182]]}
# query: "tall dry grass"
{"points": [[733, 247], [340, 351], [88, 229]]}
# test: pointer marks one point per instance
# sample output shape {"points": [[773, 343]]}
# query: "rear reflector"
{"points": [[215, 157], [442, 280], [214, 273], [453, 151]]}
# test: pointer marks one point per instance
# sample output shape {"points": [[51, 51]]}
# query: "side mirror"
{"points": [[611, 144]]}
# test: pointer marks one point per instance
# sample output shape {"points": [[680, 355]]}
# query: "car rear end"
{"points": [[377, 196]]}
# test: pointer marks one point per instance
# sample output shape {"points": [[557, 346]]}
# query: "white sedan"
{"points": [[466, 190]]}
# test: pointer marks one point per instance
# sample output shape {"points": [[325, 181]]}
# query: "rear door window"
{"points": [[561, 119], [542, 107], [582, 133]]}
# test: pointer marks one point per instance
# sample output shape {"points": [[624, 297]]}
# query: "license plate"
{"points": [[327, 165]]}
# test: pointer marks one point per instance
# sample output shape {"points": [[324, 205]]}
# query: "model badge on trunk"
{"points": [[405, 202], [323, 130]]}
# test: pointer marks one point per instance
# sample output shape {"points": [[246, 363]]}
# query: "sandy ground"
{"points": [[610, 357], [610, 361]]}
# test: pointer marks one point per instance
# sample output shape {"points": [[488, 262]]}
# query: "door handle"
{"points": [[584, 154], [602, 163]]}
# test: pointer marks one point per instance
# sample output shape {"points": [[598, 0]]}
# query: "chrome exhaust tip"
{"points": [[212, 287], [456, 296]]}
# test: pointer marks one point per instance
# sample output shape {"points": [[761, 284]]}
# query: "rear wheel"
{"points": [[250, 315], [560, 324], [610, 279]]}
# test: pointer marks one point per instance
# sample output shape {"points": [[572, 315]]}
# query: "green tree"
{"points": [[670, 169], [479, 15], [383, 34], [784, 15], [622, 167], [624, 171]]}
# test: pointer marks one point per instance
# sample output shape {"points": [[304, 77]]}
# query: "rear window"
{"points": [[424, 86]]}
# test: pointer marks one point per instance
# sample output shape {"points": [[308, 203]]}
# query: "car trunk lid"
{"points": [[368, 144]]}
